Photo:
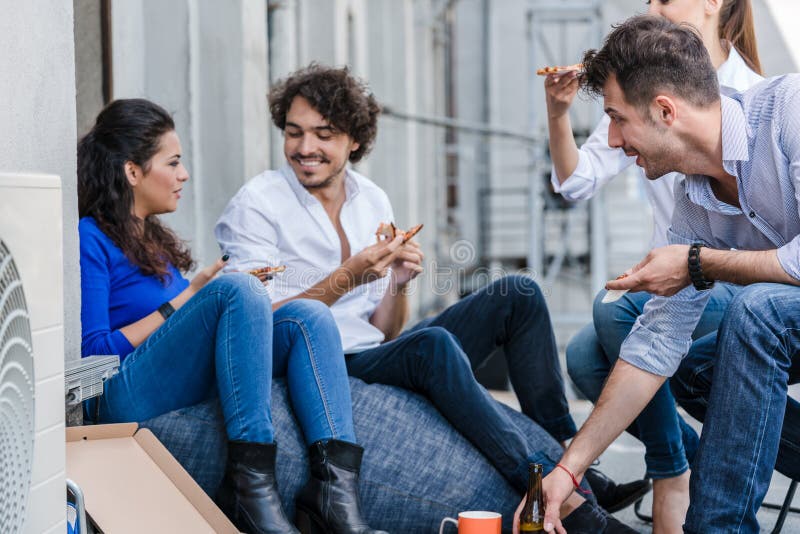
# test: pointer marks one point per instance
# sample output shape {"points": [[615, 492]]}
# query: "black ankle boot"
{"points": [[612, 496], [329, 501], [589, 519], [249, 491]]}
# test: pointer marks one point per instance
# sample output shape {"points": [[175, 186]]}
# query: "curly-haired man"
{"points": [[319, 217]]}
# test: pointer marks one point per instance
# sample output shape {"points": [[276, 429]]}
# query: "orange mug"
{"points": [[475, 523]]}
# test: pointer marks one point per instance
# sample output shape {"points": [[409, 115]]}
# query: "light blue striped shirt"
{"points": [[761, 148]]}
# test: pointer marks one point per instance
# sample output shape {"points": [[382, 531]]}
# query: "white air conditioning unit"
{"points": [[32, 476]]}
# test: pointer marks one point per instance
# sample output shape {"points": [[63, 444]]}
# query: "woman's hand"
{"points": [[560, 90], [207, 274]]}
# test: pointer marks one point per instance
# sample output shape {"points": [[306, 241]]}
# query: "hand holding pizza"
{"points": [[560, 89], [373, 262]]}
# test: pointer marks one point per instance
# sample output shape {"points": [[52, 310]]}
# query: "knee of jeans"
{"points": [[603, 314], [756, 301], [243, 287], [522, 290], [441, 349], [309, 310]]}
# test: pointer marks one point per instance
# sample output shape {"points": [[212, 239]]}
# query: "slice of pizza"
{"points": [[411, 232], [613, 295], [544, 71], [386, 231], [268, 271]]}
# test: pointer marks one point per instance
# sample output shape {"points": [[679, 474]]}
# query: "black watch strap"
{"points": [[166, 310], [699, 281]]}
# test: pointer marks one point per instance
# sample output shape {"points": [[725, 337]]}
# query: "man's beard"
{"points": [[327, 181], [658, 166]]}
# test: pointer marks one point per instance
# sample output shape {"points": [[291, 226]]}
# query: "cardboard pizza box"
{"points": [[131, 483]]}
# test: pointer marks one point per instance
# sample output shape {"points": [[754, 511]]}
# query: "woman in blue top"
{"points": [[182, 341]]}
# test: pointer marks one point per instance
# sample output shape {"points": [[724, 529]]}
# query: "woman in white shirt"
{"points": [[726, 27]]}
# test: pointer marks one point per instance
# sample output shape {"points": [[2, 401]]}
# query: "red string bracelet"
{"points": [[575, 483]]}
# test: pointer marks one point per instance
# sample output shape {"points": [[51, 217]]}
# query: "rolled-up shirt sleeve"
{"points": [[598, 163], [789, 258], [662, 335]]}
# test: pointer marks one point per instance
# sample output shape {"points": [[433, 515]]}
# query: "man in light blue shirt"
{"points": [[737, 221]]}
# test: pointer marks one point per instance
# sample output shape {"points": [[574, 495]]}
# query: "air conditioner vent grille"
{"points": [[16, 396]]}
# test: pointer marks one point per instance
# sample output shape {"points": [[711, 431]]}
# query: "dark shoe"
{"points": [[249, 492], [615, 526], [589, 519], [329, 502], [612, 496]]}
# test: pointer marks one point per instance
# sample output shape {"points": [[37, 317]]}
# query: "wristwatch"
{"points": [[699, 281], [166, 310]]}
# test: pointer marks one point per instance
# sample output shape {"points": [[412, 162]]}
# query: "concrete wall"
{"points": [[38, 119], [38, 136], [206, 62]]}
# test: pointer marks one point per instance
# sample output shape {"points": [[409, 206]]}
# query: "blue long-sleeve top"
{"points": [[115, 292]]}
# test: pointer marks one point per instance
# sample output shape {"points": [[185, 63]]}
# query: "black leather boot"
{"points": [[329, 501], [612, 496], [249, 491]]}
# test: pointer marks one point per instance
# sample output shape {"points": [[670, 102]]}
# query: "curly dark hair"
{"points": [[648, 54], [345, 101], [127, 130]]}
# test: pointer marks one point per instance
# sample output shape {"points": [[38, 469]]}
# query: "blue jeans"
{"points": [[226, 342], [437, 357], [750, 425], [670, 442]]}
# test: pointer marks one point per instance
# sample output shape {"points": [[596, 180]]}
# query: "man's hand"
{"points": [[557, 488], [664, 271], [373, 262], [407, 264], [560, 91]]}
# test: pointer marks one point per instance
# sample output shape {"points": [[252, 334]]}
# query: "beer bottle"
{"points": [[532, 517]]}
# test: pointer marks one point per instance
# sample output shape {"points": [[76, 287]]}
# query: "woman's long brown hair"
{"points": [[127, 130], [736, 26]]}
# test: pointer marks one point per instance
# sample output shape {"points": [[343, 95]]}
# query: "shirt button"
{"points": [[752, 214]]}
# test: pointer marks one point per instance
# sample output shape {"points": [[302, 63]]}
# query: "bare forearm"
{"points": [[744, 266], [136, 333], [563, 149], [328, 290], [392, 313], [626, 393]]}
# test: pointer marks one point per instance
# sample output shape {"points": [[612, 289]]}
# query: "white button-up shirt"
{"points": [[598, 163], [273, 220]]}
